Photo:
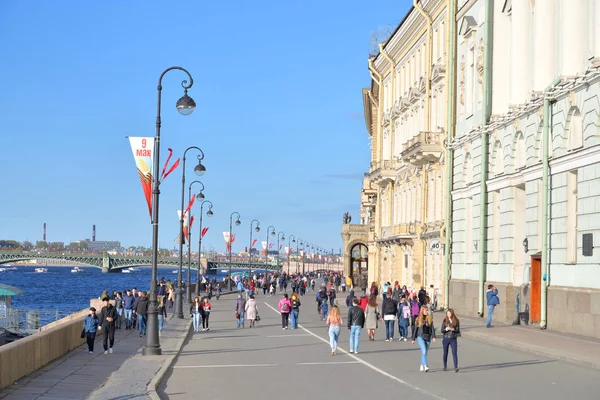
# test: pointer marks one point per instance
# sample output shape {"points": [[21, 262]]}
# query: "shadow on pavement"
{"points": [[475, 368], [239, 350]]}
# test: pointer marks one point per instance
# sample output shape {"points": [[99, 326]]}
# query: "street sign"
{"points": [[435, 246]]}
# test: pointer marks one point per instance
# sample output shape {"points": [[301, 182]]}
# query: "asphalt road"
{"points": [[266, 362]]}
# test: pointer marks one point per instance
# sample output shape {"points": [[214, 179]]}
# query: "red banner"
{"points": [[143, 154], [204, 230]]}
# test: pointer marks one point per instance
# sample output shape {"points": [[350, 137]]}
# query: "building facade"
{"points": [[523, 150], [402, 207], [533, 235]]}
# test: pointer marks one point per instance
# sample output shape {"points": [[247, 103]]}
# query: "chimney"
{"points": [[44, 235], [93, 233]]}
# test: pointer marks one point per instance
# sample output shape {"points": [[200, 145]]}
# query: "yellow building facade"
{"points": [[402, 200]]}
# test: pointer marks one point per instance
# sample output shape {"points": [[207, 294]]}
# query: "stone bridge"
{"points": [[115, 263]]}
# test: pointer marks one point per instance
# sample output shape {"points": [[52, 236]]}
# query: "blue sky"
{"points": [[278, 89]]}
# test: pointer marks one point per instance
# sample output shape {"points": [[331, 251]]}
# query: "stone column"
{"points": [[520, 76], [574, 36], [544, 59]]}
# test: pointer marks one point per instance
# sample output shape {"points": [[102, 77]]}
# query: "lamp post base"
{"points": [[179, 303], [188, 293]]}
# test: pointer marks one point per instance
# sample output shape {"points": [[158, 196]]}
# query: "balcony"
{"points": [[383, 170], [424, 148]]}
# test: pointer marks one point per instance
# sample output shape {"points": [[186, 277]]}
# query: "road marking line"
{"points": [[329, 363], [225, 366], [276, 336], [369, 365]]}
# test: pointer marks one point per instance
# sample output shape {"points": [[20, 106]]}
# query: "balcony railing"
{"points": [[425, 147]]}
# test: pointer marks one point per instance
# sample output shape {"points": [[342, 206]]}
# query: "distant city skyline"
{"points": [[278, 115]]}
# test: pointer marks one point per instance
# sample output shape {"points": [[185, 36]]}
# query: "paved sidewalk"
{"points": [[125, 374], [567, 347]]}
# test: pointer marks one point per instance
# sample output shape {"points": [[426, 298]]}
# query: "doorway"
{"points": [[359, 261], [535, 289]]}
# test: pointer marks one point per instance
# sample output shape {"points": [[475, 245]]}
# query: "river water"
{"points": [[60, 289]]}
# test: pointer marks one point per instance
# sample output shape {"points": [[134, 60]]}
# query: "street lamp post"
{"points": [[237, 223], [289, 252], [198, 170], [280, 237], [185, 106], [209, 213], [271, 230], [306, 245], [298, 243], [199, 196], [257, 229]]}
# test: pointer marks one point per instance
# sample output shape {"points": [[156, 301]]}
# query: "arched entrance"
{"points": [[359, 262]]}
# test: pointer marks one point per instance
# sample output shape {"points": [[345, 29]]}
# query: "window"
{"points": [[469, 230], [468, 170], [575, 130], [498, 167], [495, 227], [520, 155], [572, 217]]}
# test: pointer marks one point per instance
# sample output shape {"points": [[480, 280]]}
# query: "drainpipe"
{"points": [[486, 112], [376, 76], [450, 115], [545, 200], [429, 20], [393, 78]]}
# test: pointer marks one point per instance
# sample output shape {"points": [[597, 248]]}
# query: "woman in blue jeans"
{"points": [[295, 310], [424, 332], [334, 320], [196, 313]]}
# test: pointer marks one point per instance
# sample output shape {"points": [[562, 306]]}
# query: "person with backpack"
{"points": [[321, 295], [324, 308], [414, 311], [404, 316], [332, 296], [295, 310], [389, 309], [285, 307]]}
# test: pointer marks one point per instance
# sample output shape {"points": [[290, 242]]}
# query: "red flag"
{"points": [[173, 168], [253, 243], [232, 237], [270, 245], [280, 246], [204, 230], [165, 174], [265, 251], [191, 222], [190, 205], [162, 175]]}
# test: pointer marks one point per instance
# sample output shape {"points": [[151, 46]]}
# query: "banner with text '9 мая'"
{"points": [[143, 154]]}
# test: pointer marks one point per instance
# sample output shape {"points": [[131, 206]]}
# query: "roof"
{"points": [[7, 290]]}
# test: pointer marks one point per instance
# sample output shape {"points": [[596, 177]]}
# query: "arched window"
{"points": [[498, 166], [468, 169], [575, 129], [520, 151]]}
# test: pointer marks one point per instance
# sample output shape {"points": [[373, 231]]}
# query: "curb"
{"points": [[157, 380], [541, 351]]}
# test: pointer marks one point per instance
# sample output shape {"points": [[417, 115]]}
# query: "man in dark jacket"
{"points": [[141, 310], [128, 302], [356, 321], [106, 320], [389, 309], [350, 298], [240, 310]]}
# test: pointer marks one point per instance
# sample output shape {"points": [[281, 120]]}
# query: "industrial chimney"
{"points": [[93, 233], [44, 235]]}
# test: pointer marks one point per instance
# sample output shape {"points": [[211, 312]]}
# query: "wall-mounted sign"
{"points": [[435, 246]]}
